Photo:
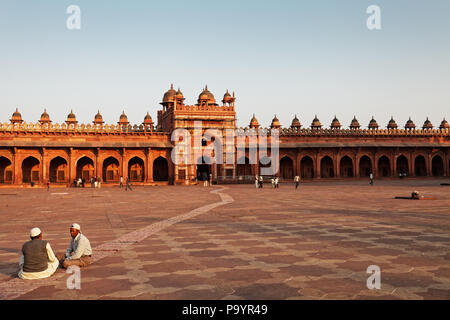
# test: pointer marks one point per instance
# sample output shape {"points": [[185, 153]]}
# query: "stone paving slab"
{"points": [[312, 243]]}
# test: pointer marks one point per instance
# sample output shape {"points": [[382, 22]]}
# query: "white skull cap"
{"points": [[35, 232], [75, 226]]}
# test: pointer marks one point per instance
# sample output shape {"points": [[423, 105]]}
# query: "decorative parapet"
{"points": [[328, 132], [203, 107], [78, 128]]}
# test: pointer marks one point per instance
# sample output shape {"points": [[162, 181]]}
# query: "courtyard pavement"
{"points": [[237, 242]]}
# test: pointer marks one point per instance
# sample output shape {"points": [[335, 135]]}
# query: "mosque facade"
{"points": [[37, 153]]}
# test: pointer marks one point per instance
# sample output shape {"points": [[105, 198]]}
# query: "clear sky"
{"points": [[280, 57]]}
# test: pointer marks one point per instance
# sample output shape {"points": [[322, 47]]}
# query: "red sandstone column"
{"points": [[14, 181], [356, 166], [317, 167], [374, 166], [413, 165], [337, 167], [43, 172], [429, 166]]}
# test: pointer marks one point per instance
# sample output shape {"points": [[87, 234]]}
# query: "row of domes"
{"points": [[71, 118], [205, 96], [335, 124]]}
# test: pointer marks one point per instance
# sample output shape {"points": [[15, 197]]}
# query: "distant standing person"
{"points": [[256, 182], [260, 181], [48, 185], [297, 181], [121, 182], [276, 183], [127, 186], [371, 179]]}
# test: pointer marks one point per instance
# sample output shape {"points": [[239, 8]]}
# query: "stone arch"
{"points": [[402, 165], [160, 169], [365, 166], [110, 170], [307, 167], [286, 168], [243, 167], [6, 171], [420, 166], [346, 167], [58, 170], [136, 169], [31, 168], [326, 167], [85, 168], [437, 166], [384, 166]]}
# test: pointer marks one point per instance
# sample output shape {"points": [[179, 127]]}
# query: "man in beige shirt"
{"points": [[79, 251], [38, 260]]}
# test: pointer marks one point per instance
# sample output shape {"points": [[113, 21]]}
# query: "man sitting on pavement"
{"points": [[38, 260], [79, 251]]}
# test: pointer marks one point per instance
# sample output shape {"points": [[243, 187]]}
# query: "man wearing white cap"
{"points": [[38, 260], [79, 251]]}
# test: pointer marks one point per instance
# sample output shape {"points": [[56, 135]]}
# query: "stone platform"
{"points": [[236, 242]]}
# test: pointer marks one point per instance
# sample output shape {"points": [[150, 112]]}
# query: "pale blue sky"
{"points": [[280, 57]]}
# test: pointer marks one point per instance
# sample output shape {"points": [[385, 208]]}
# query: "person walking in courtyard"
{"points": [[261, 181], [38, 260], [127, 186], [79, 251], [48, 185], [371, 179], [276, 183], [121, 182], [297, 181], [256, 182]]}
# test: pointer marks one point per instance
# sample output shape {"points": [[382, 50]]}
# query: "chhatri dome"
{"points": [[316, 123], [392, 124], [206, 96], [296, 123], [373, 124], [410, 124], [444, 125], [169, 95], [335, 124], [354, 124], [254, 122], [275, 123], [427, 124]]}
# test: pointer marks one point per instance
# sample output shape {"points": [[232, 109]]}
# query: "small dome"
{"points": [[335, 124], [354, 124], [427, 124], [373, 124], [179, 94], [148, 117], [316, 123], [275, 122], [16, 116], [98, 116], [45, 115], [254, 122], [295, 123], [444, 125], [227, 97], [206, 96], [392, 124], [71, 116], [410, 124], [123, 116], [169, 95]]}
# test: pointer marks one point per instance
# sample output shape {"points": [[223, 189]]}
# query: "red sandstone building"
{"points": [[61, 153]]}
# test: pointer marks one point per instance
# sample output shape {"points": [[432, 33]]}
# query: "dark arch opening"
{"points": [[307, 168], [30, 170], [111, 170], [160, 169], [402, 165], [287, 168], [326, 168], [85, 168], [266, 162], [58, 170], [420, 166], [437, 166], [384, 167], [346, 167], [365, 166], [203, 168], [243, 167], [136, 171], [5, 170]]}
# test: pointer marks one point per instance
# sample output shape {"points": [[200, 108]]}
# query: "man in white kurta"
{"points": [[28, 255]]}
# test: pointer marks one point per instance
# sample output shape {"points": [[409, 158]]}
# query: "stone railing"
{"points": [[205, 107], [350, 132], [77, 128]]}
